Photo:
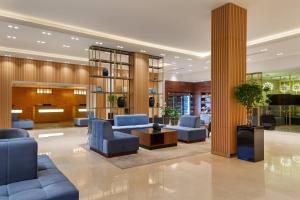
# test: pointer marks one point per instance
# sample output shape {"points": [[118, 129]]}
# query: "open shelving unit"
{"points": [[105, 90], [156, 86]]}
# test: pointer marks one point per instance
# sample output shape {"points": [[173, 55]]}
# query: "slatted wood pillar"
{"points": [[228, 40]]}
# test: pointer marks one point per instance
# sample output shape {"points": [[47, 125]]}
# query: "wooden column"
{"points": [[139, 86], [229, 38]]}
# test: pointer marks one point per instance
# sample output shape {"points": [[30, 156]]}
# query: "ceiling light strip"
{"points": [[38, 22], [43, 54]]}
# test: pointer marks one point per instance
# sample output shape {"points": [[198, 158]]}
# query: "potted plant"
{"points": [[112, 100], [166, 112], [250, 139], [174, 116]]}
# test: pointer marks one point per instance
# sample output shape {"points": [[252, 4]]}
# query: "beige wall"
{"points": [[17, 69]]}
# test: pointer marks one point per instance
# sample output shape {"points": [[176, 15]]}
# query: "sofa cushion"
{"points": [[127, 120], [189, 134], [189, 121], [18, 160], [51, 184]]}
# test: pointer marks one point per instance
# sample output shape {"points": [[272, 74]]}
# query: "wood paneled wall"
{"points": [[140, 84], [17, 69], [194, 88], [26, 98], [229, 37]]}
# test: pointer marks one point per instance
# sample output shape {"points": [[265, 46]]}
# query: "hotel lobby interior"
{"points": [[123, 100]]}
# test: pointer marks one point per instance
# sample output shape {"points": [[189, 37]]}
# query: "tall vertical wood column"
{"points": [[139, 86], [229, 38]]}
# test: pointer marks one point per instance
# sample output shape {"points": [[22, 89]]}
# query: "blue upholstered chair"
{"points": [[111, 143], [81, 122], [126, 123], [23, 124], [26, 176], [189, 129]]}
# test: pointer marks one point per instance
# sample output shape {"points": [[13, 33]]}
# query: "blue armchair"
{"points": [[189, 129], [111, 143], [26, 176], [23, 124]]}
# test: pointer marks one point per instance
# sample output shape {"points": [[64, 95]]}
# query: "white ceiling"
{"points": [[181, 28]]}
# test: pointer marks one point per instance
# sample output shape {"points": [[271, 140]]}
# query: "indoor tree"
{"points": [[250, 95]]}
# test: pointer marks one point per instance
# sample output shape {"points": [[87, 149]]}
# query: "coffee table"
{"points": [[151, 139]]}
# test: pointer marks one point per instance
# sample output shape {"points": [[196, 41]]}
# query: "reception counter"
{"points": [[42, 113]]}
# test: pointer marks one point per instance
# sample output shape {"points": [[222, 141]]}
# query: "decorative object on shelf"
{"points": [[99, 89], [152, 91], [112, 100], [284, 88], [296, 87], [250, 139], [151, 102], [121, 102], [125, 89], [268, 86], [105, 72]]}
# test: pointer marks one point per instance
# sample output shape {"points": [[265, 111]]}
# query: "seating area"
{"points": [[26, 176]]}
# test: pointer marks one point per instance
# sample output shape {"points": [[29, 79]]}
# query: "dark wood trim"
{"points": [[192, 141]]}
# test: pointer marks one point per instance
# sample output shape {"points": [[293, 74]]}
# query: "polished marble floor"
{"points": [[203, 176]]}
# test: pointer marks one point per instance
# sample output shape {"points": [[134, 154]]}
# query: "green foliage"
{"points": [[249, 94], [174, 113], [112, 98], [167, 111]]}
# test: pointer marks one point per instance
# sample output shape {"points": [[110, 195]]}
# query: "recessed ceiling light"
{"points": [[120, 47], [74, 38], [14, 27], [190, 70], [205, 67], [264, 50], [86, 49], [67, 62], [99, 43], [7, 55], [190, 65], [176, 72], [30, 58], [11, 37], [41, 42], [143, 51], [202, 80], [46, 33], [162, 54], [189, 59], [279, 54], [208, 61], [49, 60], [66, 46], [175, 68], [173, 63], [176, 57]]}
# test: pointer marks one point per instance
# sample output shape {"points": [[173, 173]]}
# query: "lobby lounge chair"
{"points": [[189, 129], [81, 122], [22, 124], [127, 123], [111, 143], [26, 176]]}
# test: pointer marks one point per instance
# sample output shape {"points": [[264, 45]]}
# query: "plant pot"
{"points": [[121, 102], [174, 122], [166, 120], [250, 143], [105, 72], [151, 102]]}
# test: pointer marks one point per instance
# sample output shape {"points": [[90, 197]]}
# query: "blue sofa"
{"points": [[189, 129], [126, 123], [81, 122], [26, 176], [111, 143], [22, 124]]}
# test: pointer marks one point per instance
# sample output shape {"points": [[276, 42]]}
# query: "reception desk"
{"points": [[79, 112], [45, 114]]}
